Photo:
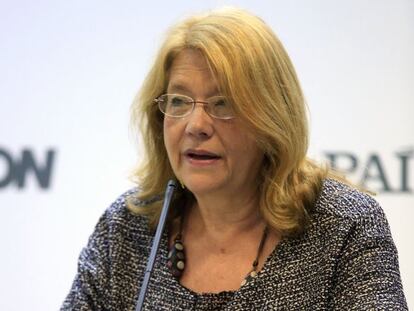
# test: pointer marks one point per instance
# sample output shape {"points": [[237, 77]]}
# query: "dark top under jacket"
{"points": [[346, 260]]}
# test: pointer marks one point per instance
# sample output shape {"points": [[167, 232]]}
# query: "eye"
{"points": [[221, 107], [221, 102], [177, 101], [177, 105]]}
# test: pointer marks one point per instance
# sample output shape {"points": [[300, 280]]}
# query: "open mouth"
{"points": [[201, 155]]}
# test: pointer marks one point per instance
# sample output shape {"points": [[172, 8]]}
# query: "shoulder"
{"points": [[341, 207], [353, 231], [341, 200], [118, 229], [112, 257], [118, 215]]}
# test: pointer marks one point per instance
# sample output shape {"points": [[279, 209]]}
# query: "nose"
{"points": [[199, 122]]}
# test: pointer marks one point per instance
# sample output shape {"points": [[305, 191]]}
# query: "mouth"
{"points": [[201, 155]]}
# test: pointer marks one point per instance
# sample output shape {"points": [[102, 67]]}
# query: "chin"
{"points": [[202, 185]]}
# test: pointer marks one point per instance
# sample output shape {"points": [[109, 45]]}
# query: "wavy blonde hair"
{"points": [[254, 71]]}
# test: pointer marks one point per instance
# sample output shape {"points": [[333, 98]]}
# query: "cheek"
{"points": [[171, 139], [245, 149], [239, 140], [167, 136]]}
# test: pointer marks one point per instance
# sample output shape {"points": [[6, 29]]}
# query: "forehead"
{"points": [[191, 71]]}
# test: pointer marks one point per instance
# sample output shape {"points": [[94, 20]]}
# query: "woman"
{"points": [[255, 225]]}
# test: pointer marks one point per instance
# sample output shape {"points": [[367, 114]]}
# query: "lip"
{"points": [[194, 157], [200, 152]]}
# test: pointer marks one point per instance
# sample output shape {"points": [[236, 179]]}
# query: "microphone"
{"points": [[156, 243]]}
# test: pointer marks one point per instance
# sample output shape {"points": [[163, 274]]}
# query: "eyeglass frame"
{"points": [[205, 104]]}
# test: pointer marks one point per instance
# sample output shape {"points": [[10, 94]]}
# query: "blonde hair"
{"points": [[254, 71]]}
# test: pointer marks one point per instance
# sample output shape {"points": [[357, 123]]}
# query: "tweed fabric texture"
{"points": [[346, 260]]}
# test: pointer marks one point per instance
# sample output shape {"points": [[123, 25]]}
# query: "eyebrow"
{"points": [[178, 87]]}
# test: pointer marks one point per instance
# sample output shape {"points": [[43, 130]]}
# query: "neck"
{"points": [[220, 217]]}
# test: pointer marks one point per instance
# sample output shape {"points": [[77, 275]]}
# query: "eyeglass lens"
{"points": [[177, 105]]}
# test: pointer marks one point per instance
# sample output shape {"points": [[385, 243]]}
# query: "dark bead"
{"points": [[176, 273]]}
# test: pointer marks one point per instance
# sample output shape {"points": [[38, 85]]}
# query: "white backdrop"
{"points": [[69, 71]]}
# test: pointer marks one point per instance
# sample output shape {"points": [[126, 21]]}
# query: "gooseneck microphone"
{"points": [[169, 191]]}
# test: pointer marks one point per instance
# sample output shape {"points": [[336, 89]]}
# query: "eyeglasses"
{"points": [[180, 106]]}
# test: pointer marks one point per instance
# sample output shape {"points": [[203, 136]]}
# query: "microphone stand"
{"points": [[156, 243]]}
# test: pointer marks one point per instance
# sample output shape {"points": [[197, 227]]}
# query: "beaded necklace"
{"points": [[176, 256]]}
